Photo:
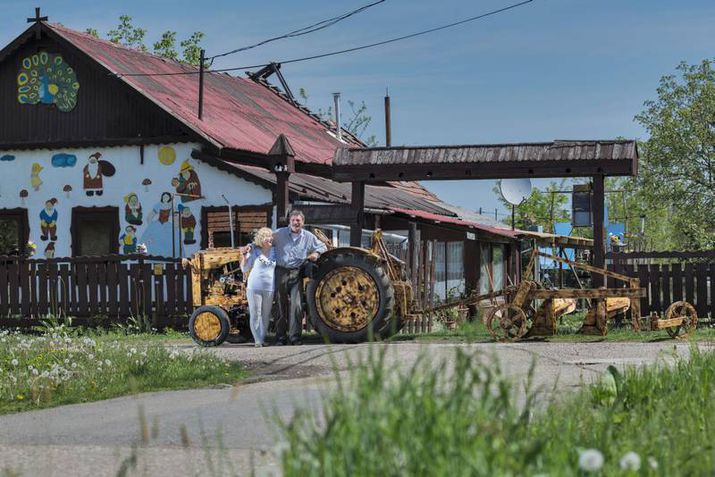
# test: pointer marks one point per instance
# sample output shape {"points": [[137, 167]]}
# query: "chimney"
{"points": [[338, 128]]}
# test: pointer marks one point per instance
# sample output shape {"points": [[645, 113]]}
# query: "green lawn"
{"points": [[567, 328], [59, 367]]}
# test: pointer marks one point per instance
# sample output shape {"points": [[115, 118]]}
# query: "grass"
{"points": [[58, 367], [567, 327], [465, 418]]}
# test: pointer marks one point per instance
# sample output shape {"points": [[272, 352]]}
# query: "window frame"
{"points": [[235, 209], [19, 213], [89, 213]]}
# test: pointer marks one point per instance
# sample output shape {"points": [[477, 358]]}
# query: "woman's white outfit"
{"points": [[259, 290]]}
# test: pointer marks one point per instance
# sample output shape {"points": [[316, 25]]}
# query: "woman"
{"points": [[157, 235], [259, 258]]}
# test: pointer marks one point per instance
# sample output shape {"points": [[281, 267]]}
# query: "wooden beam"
{"points": [[599, 246], [372, 173], [358, 206], [282, 198]]}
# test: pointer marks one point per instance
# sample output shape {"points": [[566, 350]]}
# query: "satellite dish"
{"points": [[515, 191]]}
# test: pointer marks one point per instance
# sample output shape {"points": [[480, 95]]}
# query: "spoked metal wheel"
{"points": [[507, 322], [686, 311]]}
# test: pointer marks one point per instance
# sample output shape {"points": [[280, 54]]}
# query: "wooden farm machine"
{"points": [[356, 294], [512, 314]]}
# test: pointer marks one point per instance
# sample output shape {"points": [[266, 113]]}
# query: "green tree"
{"points": [[127, 34], [677, 167], [192, 48], [133, 37], [543, 208], [356, 122], [166, 46]]}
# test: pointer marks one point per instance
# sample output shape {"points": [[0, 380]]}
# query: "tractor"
{"points": [[356, 294]]}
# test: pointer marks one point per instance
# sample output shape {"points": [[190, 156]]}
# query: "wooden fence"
{"points": [[106, 289], [669, 277]]}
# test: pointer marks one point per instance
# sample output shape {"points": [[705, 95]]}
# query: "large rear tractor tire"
{"points": [[209, 325], [351, 299]]}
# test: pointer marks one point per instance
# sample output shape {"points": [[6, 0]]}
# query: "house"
{"points": [[102, 149]]}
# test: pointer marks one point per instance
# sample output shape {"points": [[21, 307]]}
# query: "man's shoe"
{"points": [[281, 342], [296, 342]]}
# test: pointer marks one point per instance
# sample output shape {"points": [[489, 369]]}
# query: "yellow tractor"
{"points": [[356, 294]]}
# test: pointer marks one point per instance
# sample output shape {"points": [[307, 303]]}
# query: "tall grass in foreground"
{"points": [[467, 419]]}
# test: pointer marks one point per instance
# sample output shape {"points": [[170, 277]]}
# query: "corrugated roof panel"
{"points": [[238, 113]]}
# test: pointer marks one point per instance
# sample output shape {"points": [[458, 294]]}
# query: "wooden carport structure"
{"points": [[596, 159]]}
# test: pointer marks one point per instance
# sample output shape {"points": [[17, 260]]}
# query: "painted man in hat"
{"points": [[188, 186], [92, 179], [48, 220], [188, 224]]}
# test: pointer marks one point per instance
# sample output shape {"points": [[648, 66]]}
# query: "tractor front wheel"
{"points": [[209, 325]]}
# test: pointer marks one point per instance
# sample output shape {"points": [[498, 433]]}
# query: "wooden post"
{"points": [[283, 164], [413, 240], [599, 246], [358, 207], [282, 197]]}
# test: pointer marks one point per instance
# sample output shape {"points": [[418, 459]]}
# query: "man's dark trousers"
{"points": [[288, 286]]}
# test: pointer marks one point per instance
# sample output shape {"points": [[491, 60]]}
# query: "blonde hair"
{"points": [[261, 235]]}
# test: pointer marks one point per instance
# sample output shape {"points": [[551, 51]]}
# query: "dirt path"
{"points": [[235, 424]]}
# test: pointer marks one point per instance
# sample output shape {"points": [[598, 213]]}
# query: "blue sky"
{"points": [[553, 69]]}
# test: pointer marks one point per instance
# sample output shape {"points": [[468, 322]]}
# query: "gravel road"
{"points": [[194, 432]]}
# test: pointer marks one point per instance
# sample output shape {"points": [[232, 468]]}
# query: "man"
{"points": [[187, 185], [293, 245]]}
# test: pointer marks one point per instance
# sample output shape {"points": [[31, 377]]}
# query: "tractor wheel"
{"points": [[686, 311], [351, 299], [209, 325]]}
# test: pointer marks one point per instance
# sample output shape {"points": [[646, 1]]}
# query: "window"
{"points": [[492, 267], [246, 220], [14, 231], [95, 231]]}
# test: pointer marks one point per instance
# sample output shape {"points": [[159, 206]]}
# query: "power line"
{"points": [[347, 50], [302, 31]]}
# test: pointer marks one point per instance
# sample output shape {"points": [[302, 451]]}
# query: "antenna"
{"points": [[515, 191]]}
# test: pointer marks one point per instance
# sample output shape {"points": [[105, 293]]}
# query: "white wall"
{"points": [[15, 175]]}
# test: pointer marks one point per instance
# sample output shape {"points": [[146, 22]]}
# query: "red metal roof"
{"points": [[512, 234], [238, 113]]}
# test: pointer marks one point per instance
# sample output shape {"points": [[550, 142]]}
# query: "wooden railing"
{"points": [[669, 277]]}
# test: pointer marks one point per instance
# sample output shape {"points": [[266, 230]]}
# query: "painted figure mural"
{"points": [[94, 172], [50, 250], [48, 220], [46, 78], [188, 224], [132, 209], [187, 184], [158, 234], [129, 240], [35, 180]]}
